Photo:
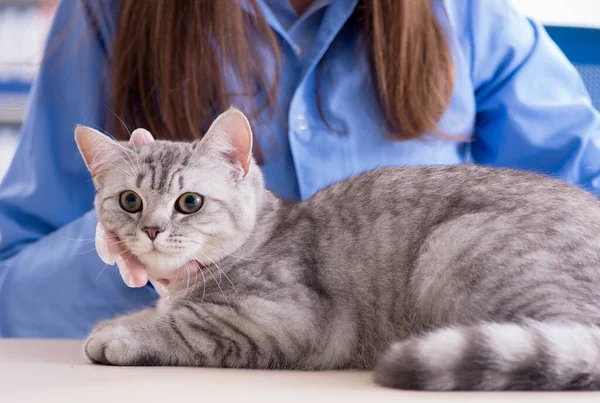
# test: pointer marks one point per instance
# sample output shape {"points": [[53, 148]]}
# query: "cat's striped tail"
{"points": [[505, 356]]}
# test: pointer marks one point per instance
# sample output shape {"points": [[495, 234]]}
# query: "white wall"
{"points": [[578, 13], [8, 144]]}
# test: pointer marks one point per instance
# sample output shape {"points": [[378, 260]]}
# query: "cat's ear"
{"points": [[230, 136], [99, 151]]}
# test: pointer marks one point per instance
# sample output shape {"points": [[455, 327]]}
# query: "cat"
{"points": [[438, 277]]}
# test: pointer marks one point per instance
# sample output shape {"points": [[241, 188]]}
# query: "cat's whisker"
{"points": [[86, 243], [120, 120], [198, 269], [227, 254], [137, 158], [218, 285], [89, 241], [106, 265], [203, 286], [187, 281], [176, 276], [221, 272], [98, 128], [85, 252], [195, 282], [129, 165], [188, 289], [77, 239], [128, 132], [99, 274], [126, 254]]}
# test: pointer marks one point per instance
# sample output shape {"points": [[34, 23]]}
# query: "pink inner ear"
{"points": [[99, 152], [240, 137], [140, 137], [230, 136]]}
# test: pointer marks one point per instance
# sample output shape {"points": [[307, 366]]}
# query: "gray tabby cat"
{"points": [[441, 278]]}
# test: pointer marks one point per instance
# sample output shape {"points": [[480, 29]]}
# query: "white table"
{"points": [[55, 371]]}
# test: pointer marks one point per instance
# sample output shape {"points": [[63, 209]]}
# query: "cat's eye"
{"points": [[130, 201], [189, 203]]}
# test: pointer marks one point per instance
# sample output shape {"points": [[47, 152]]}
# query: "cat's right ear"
{"points": [[99, 151], [230, 137]]}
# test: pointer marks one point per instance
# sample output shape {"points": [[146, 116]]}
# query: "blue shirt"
{"points": [[515, 94]]}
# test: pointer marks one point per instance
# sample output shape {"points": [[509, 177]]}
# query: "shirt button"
{"points": [[301, 123], [297, 49]]}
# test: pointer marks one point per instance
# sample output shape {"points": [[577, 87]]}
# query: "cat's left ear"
{"points": [[99, 151], [230, 136]]}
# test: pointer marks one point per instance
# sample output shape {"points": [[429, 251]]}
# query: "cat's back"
{"points": [[370, 236], [396, 207], [468, 187]]}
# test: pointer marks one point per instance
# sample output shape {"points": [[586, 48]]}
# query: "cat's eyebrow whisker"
{"points": [[120, 120], [127, 162], [126, 171], [98, 128], [129, 165], [127, 151], [128, 132], [137, 158]]}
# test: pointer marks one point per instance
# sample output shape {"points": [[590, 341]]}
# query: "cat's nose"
{"points": [[152, 232]]}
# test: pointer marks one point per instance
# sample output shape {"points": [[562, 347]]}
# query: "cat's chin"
{"points": [[163, 265]]}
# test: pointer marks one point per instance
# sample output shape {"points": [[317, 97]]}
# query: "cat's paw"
{"points": [[114, 343]]}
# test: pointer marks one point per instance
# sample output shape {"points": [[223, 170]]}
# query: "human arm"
{"points": [[533, 111], [52, 284]]}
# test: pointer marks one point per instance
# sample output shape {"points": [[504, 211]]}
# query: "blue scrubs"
{"points": [[515, 94]]}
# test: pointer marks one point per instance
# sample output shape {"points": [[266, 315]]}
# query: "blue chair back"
{"points": [[582, 47]]}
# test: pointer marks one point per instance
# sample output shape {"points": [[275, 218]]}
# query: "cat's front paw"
{"points": [[115, 343]]}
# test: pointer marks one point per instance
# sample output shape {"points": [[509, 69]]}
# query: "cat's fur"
{"points": [[441, 278]]}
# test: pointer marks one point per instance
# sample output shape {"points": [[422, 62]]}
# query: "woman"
{"points": [[334, 88]]}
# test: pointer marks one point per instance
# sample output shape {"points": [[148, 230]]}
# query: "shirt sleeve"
{"points": [[52, 284], [533, 111]]}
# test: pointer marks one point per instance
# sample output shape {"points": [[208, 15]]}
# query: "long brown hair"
{"points": [[169, 63]]}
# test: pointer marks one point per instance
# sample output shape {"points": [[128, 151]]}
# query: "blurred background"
{"points": [[574, 25], [23, 28]]}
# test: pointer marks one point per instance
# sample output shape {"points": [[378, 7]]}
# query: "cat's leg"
{"points": [[243, 333]]}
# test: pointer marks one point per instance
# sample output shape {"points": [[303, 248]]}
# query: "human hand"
{"points": [[111, 251]]}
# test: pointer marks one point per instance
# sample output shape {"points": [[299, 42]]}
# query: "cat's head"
{"points": [[170, 203]]}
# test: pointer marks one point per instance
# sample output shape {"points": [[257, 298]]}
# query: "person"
{"points": [[332, 87]]}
